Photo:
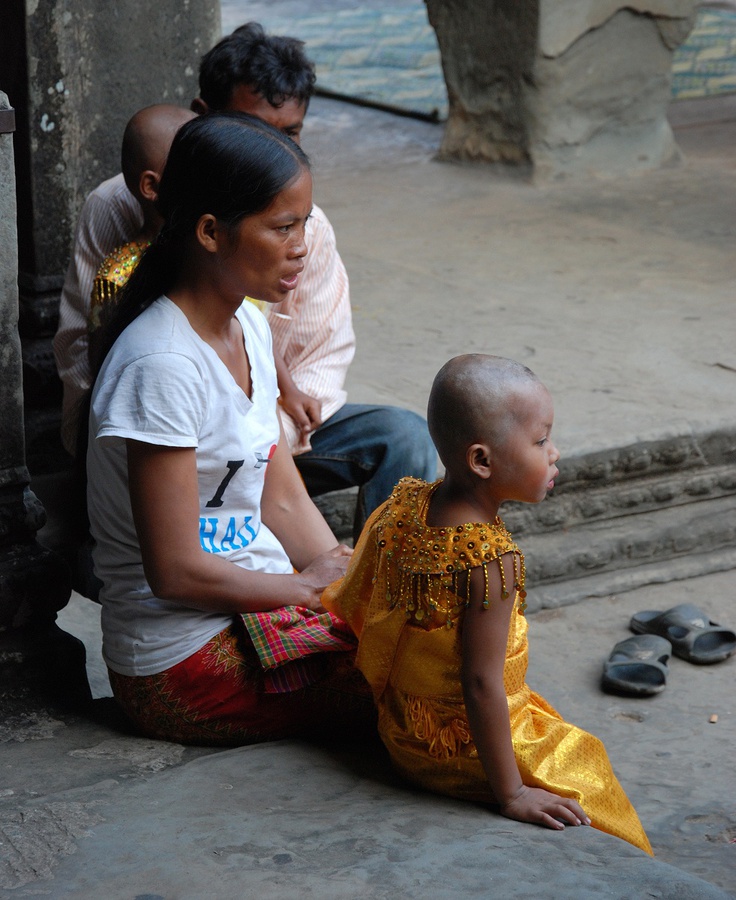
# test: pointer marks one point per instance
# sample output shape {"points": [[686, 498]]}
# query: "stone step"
{"points": [[619, 519]]}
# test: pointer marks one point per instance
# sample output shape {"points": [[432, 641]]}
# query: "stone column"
{"points": [[76, 72], [568, 86], [34, 583]]}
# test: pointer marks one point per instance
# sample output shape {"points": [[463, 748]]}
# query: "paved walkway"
{"points": [[620, 294], [285, 821]]}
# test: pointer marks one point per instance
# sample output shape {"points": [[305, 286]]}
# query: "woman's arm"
{"points": [[165, 502], [288, 510], [484, 639]]}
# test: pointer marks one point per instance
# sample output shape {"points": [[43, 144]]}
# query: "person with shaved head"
{"points": [[117, 211], [146, 142], [435, 592]]}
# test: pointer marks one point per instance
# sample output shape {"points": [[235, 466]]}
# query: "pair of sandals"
{"points": [[638, 665]]}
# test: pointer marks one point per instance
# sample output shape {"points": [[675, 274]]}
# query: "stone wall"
{"points": [[619, 519], [631, 516], [89, 68], [33, 582], [75, 72]]}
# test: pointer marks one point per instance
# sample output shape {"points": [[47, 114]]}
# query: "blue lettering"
{"points": [[230, 535], [244, 541], [234, 538], [209, 535], [246, 523]]}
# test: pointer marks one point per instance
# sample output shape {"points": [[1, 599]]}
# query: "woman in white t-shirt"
{"points": [[211, 554]]}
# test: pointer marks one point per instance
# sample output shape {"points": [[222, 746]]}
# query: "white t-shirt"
{"points": [[162, 384]]}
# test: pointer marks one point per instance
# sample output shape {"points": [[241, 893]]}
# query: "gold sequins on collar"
{"points": [[433, 563]]}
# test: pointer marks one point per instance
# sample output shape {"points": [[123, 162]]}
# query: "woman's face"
{"points": [[267, 250]]}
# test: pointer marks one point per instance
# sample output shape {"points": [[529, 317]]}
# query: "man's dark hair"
{"points": [[274, 67]]}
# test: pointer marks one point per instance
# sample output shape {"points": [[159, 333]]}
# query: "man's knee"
{"points": [[408, 438]]}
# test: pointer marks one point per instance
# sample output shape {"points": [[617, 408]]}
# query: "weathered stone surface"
{"points": [[339, 510], [562, 22], [41, 384], [34, 583], [88, 69], [622, 518], [11, 397], [38, 836], [488, 50], [338, 825], [600, 107], [570, 87]]}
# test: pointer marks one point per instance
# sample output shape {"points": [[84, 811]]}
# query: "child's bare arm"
{"points": [[484, 637]]}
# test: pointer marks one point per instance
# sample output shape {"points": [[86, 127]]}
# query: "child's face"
{"points": [[523, 467]]}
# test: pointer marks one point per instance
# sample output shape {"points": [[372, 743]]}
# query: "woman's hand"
{"points": [[541, 807], [323, 570], [288, 510]]}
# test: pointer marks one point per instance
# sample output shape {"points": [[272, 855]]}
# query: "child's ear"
{"points": [[148, 185], [207, 232], [199, 106], [478, 458]]}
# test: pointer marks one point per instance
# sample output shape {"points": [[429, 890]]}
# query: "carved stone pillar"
{"points": [[75, 72], [34, 583], [568, 86]]}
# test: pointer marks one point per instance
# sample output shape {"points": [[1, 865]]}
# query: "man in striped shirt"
{"points": [[354, 444]]}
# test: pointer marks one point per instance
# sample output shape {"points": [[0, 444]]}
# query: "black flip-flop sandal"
{"points": [[691, 632], [637, 666]]}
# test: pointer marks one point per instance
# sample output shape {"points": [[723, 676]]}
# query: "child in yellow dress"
{"points": [[435, 592]]}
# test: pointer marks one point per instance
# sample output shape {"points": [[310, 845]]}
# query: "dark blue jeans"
{"points": [[371, 447]]}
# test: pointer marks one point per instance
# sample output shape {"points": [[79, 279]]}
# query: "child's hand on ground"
{"points": [[540, 807], [303, 409]]}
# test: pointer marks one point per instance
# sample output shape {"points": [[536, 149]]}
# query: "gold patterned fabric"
{"points": [[111, 277], [404, 595]]}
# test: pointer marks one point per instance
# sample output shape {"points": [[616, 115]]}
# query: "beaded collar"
{"points": [[418, 551]]}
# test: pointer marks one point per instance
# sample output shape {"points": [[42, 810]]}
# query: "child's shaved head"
{"points": [[472, 401], [147, 141]]}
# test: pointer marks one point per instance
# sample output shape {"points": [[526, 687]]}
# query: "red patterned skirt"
{"points": [[220, 696]]}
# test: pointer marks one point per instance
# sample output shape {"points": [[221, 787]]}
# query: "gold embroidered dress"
{"points": [[111, 278], [404, 595]]}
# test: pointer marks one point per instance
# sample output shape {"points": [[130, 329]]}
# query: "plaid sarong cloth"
{"points": [[290, 641]]}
